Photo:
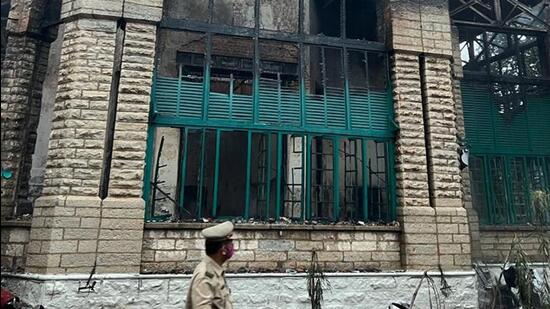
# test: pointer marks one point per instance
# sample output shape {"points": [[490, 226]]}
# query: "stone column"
{"points": [[434, 222], [73, 229], [23, 71]]}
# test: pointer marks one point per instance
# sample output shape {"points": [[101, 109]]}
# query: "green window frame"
{"points": [[509, 141], [373, 158], [334, 88]]}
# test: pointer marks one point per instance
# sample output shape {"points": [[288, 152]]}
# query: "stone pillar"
{"points": [[23, 71], [73, 229], [434, 222]]}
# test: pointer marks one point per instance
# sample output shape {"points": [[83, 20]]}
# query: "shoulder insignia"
{"points": [[209, 275]]}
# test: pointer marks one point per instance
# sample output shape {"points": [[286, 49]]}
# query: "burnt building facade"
{"points": [[383, 135]]}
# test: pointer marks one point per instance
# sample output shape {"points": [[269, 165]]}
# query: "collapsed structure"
{"points": [[387, 135]]}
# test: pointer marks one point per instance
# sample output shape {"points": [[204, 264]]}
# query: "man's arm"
{"points": [[203, 294]]}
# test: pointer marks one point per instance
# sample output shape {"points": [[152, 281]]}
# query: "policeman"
{"points": [[208, 288]]}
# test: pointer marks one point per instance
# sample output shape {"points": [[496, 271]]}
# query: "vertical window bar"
{"points": [[256, 82], [279, 172], [336, 178], [279, 99], [346, 88], [301, 68], [527, 191], [149, 156], [216, 174], [184, 133], [268, 175], [509, 190], [207, 62], [178, 98], [488, 191], [324, 83], [231, 96], [343, 19], [367, 78], [390, 168], [302, 85], [201, 172], [303, 177], [206, 80], [365, 171], [307, 187], [248, 167]]}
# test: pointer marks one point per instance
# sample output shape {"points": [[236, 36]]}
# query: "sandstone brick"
{"points": [[119, 246], [189, 244], [170, 256], [363, 246], [330, 256], [80, 234], [357, 256], [87, 246], [120, 259], [275, 245], [89, 222], [270, 256], [385, 256], [60, 246], [77, 260], [309, 245]]}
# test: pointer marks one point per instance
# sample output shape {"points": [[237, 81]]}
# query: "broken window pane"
{"points": [[313, 73], [263, 181], [164, 179], [378, 181], [293, 176], [279, 15], [324, 17], [188, 9], [232, 173], [361, 20], [231, 78], [179, 72], [234, 12], [322, 181], [377, 71], [185, 47], [190, 185], [351, 179], [357, 71], [279, 97], [207, 175], [501, 54]]}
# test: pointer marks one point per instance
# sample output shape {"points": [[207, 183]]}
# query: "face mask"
{"points": [[229, 250]]}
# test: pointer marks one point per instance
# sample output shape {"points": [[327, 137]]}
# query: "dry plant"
{"points": [[520, 289], [317, 282]]}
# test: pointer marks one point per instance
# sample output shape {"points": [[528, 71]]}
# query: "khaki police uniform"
{"points": [[208, 288]]}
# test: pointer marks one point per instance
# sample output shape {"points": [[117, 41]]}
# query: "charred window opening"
{"points": [[325, 17], [357, 17], [227, 173], [501, 54], [504, 53], [261, 113], [361, 20]]}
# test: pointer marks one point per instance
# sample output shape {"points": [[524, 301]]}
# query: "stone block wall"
{"points": [[105, 73], [15, 238], [17, 84], [23, 71], [495, 243], [167, 249]]}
